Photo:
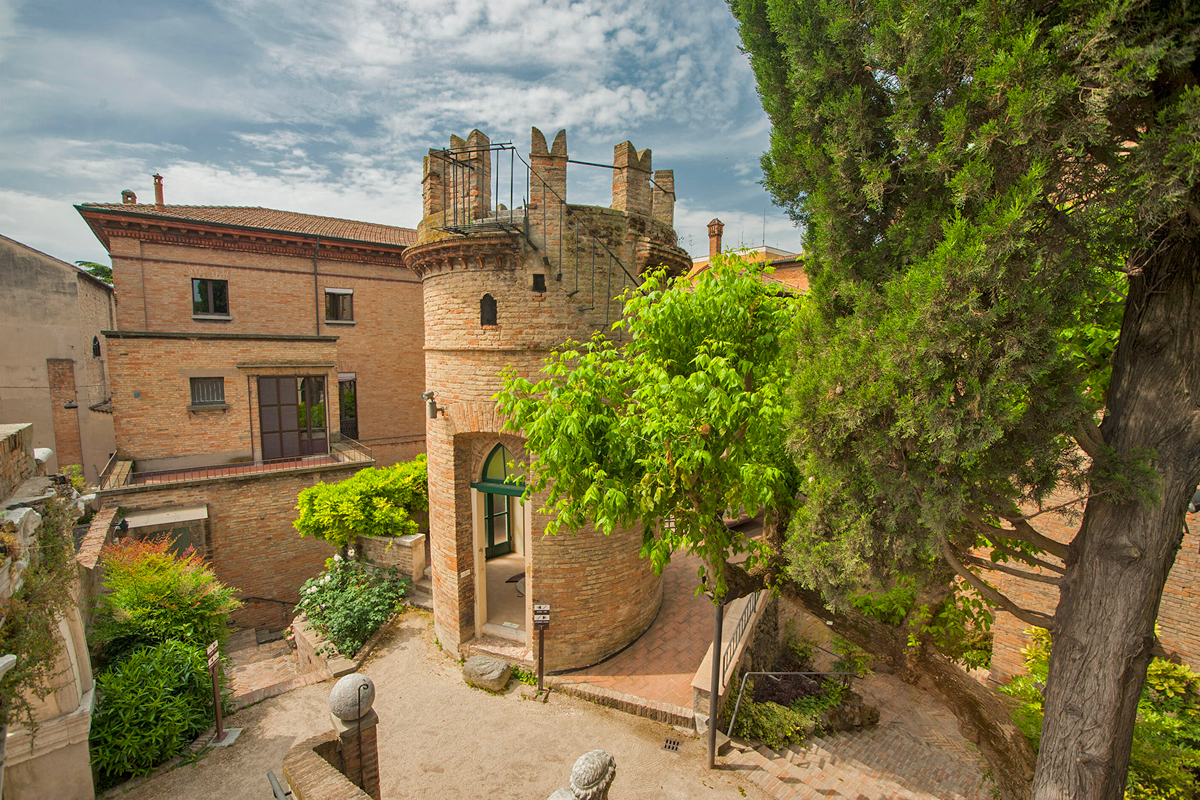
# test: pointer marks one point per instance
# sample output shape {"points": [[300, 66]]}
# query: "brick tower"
{"points": [[502, 287]]}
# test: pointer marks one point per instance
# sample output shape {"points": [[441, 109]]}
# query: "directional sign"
{"points": [[214, 654]]}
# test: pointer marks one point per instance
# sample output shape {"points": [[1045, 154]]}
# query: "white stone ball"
{"points": [[347, 701]]}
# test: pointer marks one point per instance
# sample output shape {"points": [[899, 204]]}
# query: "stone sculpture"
{"points": [[591, 777]]}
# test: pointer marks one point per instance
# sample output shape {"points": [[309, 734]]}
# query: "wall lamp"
{"points": [[431, 404]]}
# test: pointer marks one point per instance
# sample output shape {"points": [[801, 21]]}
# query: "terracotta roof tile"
{"points": [[271, 219]]}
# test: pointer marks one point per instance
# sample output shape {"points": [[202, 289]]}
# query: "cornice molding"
{"points": [[197, 234]]}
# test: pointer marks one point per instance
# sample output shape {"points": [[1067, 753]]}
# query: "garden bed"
{"points": [[314, 652]]}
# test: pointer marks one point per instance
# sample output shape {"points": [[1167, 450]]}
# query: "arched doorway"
{"points": [[500, 527]]}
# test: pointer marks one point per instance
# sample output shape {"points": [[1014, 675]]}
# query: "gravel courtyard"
{"points": [[439, 738]]}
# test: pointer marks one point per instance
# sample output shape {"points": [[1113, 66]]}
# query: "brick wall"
{"points": [[276, 294], [252, 544], [1178, 614], [67, 446], [16, 457], [152, 393]]}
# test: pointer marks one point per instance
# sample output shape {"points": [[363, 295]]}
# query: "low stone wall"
{"points": [[310, 643], [405, 553], [313, 771], [756, 650]]}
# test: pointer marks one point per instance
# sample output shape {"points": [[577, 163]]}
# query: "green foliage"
{"points": [[153, 596], [777, 725], [960, 625], [30, 630], [349, 601], [377, 501], [527, 677], [74, 474], [100, 271], [850, 658], [149, 707], [1165, 760], [682, 421]]}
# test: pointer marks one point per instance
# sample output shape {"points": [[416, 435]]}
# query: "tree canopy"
{"points": [[674, 427], [980, 185]]}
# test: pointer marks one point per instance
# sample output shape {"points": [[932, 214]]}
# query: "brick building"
{"points": [[787, 268], [54, 357], [251, 349], [502, 287]]}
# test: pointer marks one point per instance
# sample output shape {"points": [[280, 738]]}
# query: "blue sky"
{"points": [[328, 108]]}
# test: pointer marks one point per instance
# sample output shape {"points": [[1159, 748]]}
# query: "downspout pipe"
{"points": [[316, 288]]}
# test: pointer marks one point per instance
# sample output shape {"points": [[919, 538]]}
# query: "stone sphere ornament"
{"points": [[347, 701]]}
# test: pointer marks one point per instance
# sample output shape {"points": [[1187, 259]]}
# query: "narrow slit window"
{"points": [[539, 282], [487, 310], [95, 347]]}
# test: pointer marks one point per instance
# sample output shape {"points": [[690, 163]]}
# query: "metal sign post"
{"points": [[214, 666], [541, 621]]}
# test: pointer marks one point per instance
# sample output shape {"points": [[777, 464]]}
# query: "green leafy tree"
{"points": [[683, 421], [98, 270], [966, 174], [377, 501]]}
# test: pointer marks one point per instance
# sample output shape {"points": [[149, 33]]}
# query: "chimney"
{"points": [[158, 191], [715, 229], [128, 197]]}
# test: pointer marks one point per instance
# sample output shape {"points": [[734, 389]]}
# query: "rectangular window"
{"points": [[339, 305], [208, 391], [210, 296]]}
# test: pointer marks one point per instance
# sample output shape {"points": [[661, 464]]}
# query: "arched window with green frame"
{"points": [[498, 503]]}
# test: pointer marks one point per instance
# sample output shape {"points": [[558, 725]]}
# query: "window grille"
{"points": [[208, 391]]}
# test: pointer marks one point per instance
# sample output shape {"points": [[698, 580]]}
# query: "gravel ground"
{"points": [[439, 738]]}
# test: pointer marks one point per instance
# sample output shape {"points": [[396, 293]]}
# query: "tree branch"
{"points": [[1089, 438], [983, 563], [1032, 561], [1025, 615], [1083, 499], [1024, 532]]}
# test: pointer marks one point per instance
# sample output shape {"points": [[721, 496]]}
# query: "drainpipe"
{"points": [[316, 288]]}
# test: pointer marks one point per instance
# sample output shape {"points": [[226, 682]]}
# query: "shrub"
{"points": [[349, 601], [154, 596], [372, 502], [1165, 760], [149, 707]]}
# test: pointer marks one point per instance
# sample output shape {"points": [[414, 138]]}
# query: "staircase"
{"points": [[422, 594], [882, 762]]}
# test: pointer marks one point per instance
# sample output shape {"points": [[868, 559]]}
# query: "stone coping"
{"points": [[309, 642], [311, 777]]}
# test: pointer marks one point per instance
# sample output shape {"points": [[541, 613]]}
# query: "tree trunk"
{"points": [[1119, 560]]}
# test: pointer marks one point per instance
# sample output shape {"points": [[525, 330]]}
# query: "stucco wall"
{"points": [[49, 309]]}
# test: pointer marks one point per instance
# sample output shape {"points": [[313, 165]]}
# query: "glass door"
{"points": [[498, 524], [314, 433], [348, 408]]}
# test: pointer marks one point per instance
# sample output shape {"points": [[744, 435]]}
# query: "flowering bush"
{"points": [[152, 596], [350, 600]]}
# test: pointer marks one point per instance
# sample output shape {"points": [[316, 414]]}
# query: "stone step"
{"points": [[512, 652], [424, 585], [241, 639], [420, 600]]}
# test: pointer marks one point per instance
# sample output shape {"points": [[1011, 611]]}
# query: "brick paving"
{"points": [[659, 666], [915, 753]]}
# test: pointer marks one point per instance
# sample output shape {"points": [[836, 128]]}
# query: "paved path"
{"points": [[659, 666], [915, 753], [439, 738]]}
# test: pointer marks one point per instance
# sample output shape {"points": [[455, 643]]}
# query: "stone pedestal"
{"points": [[352, 696]]}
